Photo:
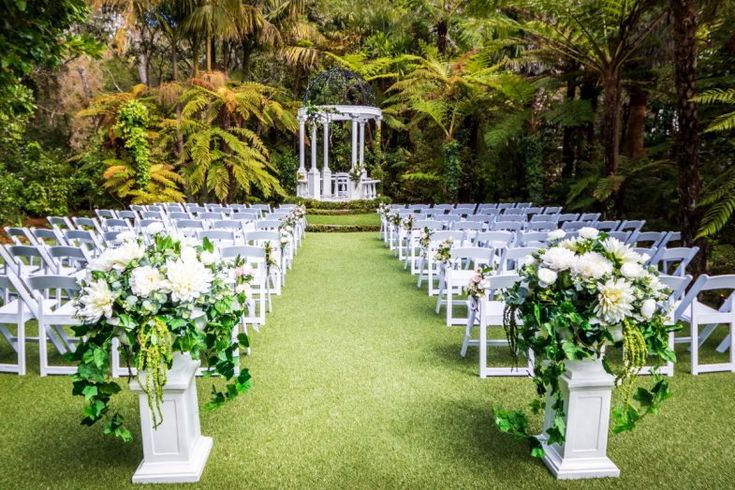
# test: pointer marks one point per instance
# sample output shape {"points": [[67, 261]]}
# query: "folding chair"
{"points": [[13, 311], [674, 261], [696, 314], [454, 277]]}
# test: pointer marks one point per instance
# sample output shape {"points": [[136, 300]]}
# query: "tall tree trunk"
{"points": [[84, 79], [635, 132], [213, 43], [588, 91], [174, 61], [611, 122], [685, 21], [143, 68], [442, 33], [208, 43], [567, 147]]}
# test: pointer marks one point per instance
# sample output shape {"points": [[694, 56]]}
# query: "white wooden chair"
{"points": [[13, 311], [513, 258], [696, 314], [454, 277], [428, 266], [491, 313], [674, 261]]}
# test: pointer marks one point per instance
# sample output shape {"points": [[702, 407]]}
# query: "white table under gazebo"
{"points": [[338, 186]]}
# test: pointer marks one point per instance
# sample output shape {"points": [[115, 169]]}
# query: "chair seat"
{"points": [[9, 311], [706, 314]]}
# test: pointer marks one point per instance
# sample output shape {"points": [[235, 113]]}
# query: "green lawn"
{"points": [[357, 384], [344, 219]]}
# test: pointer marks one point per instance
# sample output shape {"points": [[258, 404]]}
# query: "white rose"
{"points": [[188, 254], [648, 308], [546, 277], [154, 228], [632, 270], [556, 235], [126, 236], [121, 256], [558, 258], [588, 232], [145, 280]]}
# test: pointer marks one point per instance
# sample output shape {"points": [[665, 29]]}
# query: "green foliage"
{"points": [[132, 123]]}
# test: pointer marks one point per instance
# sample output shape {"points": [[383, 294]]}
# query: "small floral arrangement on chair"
{"points": [[477, 286], [394, 218], [407, 222], [574, 299], [383, 209], [444, 251], [157, 299], [425, 241]]}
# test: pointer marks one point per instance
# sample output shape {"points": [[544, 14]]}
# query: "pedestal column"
{"points": [[586, 389]]}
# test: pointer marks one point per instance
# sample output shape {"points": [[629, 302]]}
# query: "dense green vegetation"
{"points": [[623, 107]]}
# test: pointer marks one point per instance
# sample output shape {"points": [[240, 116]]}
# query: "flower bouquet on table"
{"points": [[157, 300], [576, 298]]}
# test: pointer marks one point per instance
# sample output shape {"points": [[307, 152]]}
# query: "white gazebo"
{"points": [[339, 186]]}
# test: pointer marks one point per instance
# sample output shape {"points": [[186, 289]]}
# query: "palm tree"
{"points": [[222, 126], [602, 36]]}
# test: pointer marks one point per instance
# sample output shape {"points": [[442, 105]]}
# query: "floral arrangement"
{"points": [[356, 173], [157, 299], [444, 251], [575, 298], [477, 286], [425, 241], [408, 221], [383, 209], [270, 256], [394, 218]]}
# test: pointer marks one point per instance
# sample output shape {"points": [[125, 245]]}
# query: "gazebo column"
{"points": [[363, 172], [326, 172], [301, 174], [314, 187], [354, 188]]}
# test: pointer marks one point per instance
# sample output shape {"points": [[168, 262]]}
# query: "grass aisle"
{"points": [[359, 385]]}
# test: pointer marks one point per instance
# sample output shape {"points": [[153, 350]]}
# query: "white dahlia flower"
{"points": [[558, 258], [96, 300], [588, 232], [615, 301], [592, 265], [188, 279], [145, 280]]}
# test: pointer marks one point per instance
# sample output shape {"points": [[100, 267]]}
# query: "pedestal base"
{"points": [[577, 469], [189, 471]]}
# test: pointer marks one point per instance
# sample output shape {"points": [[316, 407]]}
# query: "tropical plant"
{"points": [[222, 125]]}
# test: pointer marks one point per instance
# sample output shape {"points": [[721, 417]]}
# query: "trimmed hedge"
{"points": [[362, 206], [342, 228], [335, 212]]}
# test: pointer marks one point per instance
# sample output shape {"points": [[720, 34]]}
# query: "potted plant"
{"points": [[169, 306], [574, 299]]}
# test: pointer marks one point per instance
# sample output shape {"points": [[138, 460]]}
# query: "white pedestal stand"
{"points": [[176, 451], [586, 389]]}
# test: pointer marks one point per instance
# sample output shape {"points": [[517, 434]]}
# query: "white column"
{"points": [[362, 143], [314, 191], [302, 166], [326, 172], [354, 142], [586, 389]]}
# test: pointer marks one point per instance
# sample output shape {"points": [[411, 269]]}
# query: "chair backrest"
{"points": [[501, 282], [507, 225], [116, 224], [552, 210], [25, 260], [440, 236], [632, 225], [515, 212], [471, 257], [677, 285], [262, 235], [127, 214], [47, 236], [218, 236], [606, 225], [194, 224], [548, 218], [533, 238], [652, 238], [568, 217], [82, 237], [710, 283], [680, 257], [86, 223], [513, 257], [74, 257], [19, 236], [468, 225], [105, 213], [267, 225], [245, 252], [226, 224], [623, 236], [650, 252], [60, 222], [495, 239], [178, 215], [589, 217], [210, 215], [151, 215], [545, 226], [42, 285], [574, 225], [427, 223]]}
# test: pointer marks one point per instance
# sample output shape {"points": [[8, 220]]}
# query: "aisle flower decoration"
{"points": [[444, 251], [394, 218], [383, 209], [408, 221], [157, 300], [425, 241], [477, 286], [576, 298]]}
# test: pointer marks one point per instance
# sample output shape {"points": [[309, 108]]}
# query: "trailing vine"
{"points": [[132, 122]]}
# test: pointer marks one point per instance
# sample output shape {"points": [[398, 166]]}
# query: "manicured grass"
{"points": [[357, 384], [345, 219]]}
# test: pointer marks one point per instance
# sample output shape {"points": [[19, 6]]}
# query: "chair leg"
{"points": [[695, 348], [467, 337], [483, 347], [42, 348]]}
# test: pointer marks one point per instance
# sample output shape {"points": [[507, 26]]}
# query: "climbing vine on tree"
{"points": [[132, 121]]}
